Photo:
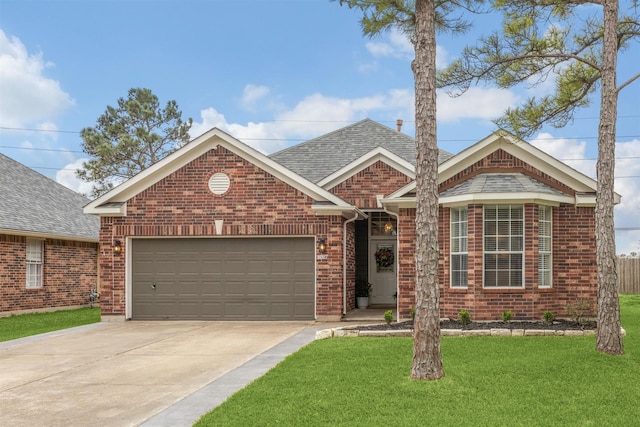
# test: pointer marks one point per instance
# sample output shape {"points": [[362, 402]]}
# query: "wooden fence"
{"points": [[629, 275]]}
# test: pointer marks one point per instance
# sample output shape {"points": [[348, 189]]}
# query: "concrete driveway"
{"points": [[123, 374]]}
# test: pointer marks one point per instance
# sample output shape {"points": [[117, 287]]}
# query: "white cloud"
{"points": [[28, 97], [475, 103], [573, 153], [395, 45], [67, 177], [569, 151], [251, 95], [312, 116]]}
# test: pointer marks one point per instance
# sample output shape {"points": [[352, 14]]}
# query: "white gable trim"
{"points": [[582, 184], [373, 156], [523, 151], [199, 146]]}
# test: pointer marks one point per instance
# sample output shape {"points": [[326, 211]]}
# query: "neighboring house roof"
{"points": [[32, 204], [321, 157], [113, 203]]}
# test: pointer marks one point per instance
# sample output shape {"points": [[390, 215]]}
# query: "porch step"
{"points": [[369, 315]]}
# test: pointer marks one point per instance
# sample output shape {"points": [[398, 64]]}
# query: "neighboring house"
{"points": [[48, 246], [217, 230]]}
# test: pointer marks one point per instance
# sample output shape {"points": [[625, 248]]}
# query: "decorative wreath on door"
{"points": [[384, 257]]}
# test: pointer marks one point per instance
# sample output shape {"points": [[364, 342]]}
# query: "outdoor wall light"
{"points": [[388, 227], [117, 247], [322, 246]]}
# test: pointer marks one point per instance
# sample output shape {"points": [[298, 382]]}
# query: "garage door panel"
{"points": [[223, 279]]}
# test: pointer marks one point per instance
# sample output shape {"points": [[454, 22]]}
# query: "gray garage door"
{"points": [[223, 279]]}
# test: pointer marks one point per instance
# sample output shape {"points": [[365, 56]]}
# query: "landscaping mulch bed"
{"points": [[557, 325]]}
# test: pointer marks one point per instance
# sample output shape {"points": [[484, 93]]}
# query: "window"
{"points": [[34, 263], [545, 247], [383, 224], [459, 254], [503, 246]]}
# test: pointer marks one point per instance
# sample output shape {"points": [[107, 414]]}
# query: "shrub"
{"points": [[388, 316], [363, 287], [548, 317], [507, 315], [413, 313], [464, 317], [580, 310]]}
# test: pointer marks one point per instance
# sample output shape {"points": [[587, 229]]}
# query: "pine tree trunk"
{"points": [[609, 338], [427, 358]]}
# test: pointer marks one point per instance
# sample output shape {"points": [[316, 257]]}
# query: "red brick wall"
{"points": [[256, 204], [69, 274], [361, 189], [574, 267]]}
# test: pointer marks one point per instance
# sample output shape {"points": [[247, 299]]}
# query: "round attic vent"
{"points": [[219, 183]]}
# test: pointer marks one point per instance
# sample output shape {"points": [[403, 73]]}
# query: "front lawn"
{"points": [[25, 325], [489, 381]]}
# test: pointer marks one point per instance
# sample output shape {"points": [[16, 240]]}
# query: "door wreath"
{"points": [[384, 259]]}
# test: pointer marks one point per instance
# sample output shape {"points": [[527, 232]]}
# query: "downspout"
{"points": [[344, 262]]}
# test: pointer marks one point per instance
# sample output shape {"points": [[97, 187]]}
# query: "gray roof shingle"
{"points": [[31, 202], [500, 183], [320, 157]]}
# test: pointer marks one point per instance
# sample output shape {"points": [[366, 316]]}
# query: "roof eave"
{"points": [[39, 235], [333, 210]]}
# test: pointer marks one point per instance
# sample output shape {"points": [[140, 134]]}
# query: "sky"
{"points": [[271, 73]]}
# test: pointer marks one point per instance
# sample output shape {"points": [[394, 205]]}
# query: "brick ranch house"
{"points": [[48, 246], [219, 231]]}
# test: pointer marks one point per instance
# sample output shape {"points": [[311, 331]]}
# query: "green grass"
{"points": [[25, 325], [489, 381]]}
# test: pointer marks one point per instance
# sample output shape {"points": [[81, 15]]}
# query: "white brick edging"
{"points": [[351, 331]]}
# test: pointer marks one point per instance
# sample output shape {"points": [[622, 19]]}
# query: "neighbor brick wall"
{"points": [[361, 189], [256, 204], [69, 274]]}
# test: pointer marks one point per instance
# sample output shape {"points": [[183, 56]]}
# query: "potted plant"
{"points": [[363, 290]]}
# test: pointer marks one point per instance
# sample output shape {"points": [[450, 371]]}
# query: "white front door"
{"points": [[383, 260]]}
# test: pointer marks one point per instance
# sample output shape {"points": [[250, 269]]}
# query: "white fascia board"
{"points": [[505, 198], [408, 188], [37, 235], [484, 198], [107, 210], [589, 200], [205, 142], [331, 210], [398, 202], [377, 154]]}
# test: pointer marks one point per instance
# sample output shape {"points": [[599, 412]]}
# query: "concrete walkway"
{"points": [[138, 373]]}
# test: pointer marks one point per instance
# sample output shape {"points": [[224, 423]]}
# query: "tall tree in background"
{"points": [[130, 138], [420, 19], [540, 38]]}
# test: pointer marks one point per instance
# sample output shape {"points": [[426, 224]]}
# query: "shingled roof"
{"points": [[320, 157], [31, 203], [500, 183]]}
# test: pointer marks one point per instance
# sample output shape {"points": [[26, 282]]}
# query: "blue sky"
{"points": [[272, 73]]}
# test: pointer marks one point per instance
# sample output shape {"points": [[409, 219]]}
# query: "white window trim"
{"points": [[522, 252], [452, 253], [39, 278], [550, 252]]}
